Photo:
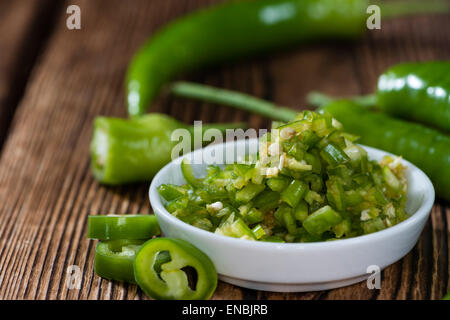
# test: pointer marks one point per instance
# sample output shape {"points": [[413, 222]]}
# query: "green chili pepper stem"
{"points": [[400, 8], [233, 99], [319, 99]]}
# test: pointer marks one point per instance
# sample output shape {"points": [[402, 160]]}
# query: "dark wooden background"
{"points": [[54, 81]]}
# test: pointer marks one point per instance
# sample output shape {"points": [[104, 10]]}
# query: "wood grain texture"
{"points": [[24, 28], [47, 190]]}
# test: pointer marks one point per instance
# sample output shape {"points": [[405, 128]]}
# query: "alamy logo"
{"points": [[73, 21], [374, 280], [374, 20], [73, 278]]}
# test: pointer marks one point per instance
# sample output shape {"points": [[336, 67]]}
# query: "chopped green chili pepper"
{"points": [[249, 192], [267, 200], [124, 151], [128, 227], [258, 232], [289, 221], [335, 194], [239, 229], [114, 259], [294, 193], [391, 180], [322, 220], [343, 228], [347, 194], [301, 211], [168, 279], [253, 216], [282, 211], [334, 154], [172, 192], [188, 173], [278, 184], [272, 239]]}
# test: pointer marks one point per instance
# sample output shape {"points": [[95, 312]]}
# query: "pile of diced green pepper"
{"points": [[309, 182]]}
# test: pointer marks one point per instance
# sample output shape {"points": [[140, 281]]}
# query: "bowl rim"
{"points": [[415, 218]]}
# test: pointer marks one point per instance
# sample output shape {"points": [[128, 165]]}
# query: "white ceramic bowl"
{"points": [[296, 267]]}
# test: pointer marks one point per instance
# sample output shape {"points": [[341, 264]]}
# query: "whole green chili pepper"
{"points": [[114, 259], [124, 151], [234, 30], [418, 91], [427, 148], [168, 280]]}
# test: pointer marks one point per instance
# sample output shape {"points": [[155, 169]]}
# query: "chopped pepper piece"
{"points": [[322, 220], [114, 259], [129, 227], [188, 174], [294, 193]]}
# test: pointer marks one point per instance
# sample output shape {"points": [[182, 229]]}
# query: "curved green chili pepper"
{"points": [[427, 148], [172, 281], [130, 227], [114, 259], [234, 30], [124, 151], [417, 91]]}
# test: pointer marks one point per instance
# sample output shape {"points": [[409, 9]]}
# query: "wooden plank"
{"points": [[439, 264], [46, 188], [24, 27]]}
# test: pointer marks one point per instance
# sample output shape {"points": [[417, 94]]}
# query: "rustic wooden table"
{"points": [[54, 81]]}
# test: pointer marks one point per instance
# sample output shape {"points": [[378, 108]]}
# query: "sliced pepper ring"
{"points": [[114, 259], [115, 227], [172, 282]]}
